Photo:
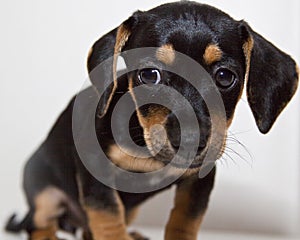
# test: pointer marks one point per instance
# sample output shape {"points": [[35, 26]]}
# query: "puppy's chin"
{"points": [[187, 162], [184, 160]]}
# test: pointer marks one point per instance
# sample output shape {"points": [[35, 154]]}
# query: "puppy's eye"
{"points": [[149, 76], [225, 78]]}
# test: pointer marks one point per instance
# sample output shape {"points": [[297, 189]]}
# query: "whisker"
{"points": [[233, 139], [224, 161], [239, 155], [234, 134], [231, 158]]}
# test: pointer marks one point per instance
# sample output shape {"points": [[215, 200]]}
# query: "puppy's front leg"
{"points": [[105, 212], [107, 224], [191, 201]]}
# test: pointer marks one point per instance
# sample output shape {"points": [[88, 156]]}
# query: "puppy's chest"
{"points": [[130, 160], [131, 200], [137, 162]]}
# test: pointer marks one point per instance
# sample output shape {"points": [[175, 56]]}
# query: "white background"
{"points": [[43, 52]]}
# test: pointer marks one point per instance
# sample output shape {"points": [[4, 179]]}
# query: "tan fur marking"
{"points": [[157, 115], [90, 52], [247, 48], [131, 215], [212, 54], [139, 115], [298, 71], [106, 225], [42, 234], [166, 54], [130, 88], [180, 224], [80, 189], [122, 36], [133, 161], [48, 207]]}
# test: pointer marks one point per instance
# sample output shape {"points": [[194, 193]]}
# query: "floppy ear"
{"points": [[102, 61], [272, 78]]}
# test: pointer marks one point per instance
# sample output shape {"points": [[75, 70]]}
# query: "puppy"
{"points": [[63, 192]]}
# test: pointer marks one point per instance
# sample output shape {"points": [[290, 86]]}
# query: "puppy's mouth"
{"points": [[183, 156], [183, 160]]}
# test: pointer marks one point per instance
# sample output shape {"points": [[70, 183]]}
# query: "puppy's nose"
{"points": [[187, 139], [173, 131]]}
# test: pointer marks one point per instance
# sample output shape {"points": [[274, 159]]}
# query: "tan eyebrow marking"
{"points": [[166, 54], [212, 54]]}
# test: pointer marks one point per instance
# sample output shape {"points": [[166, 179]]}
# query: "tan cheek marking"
{"points": [[166, 54], [247, 48], [298, 71], [212, 54], [157, 115], [132, 162]]}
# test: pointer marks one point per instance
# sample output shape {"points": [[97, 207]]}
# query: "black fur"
{"points": [[189, 27]]}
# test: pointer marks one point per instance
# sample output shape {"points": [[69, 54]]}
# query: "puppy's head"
{"points": [[230, 51]]}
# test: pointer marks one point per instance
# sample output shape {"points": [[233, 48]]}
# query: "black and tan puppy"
{"points": [[62, 193]]}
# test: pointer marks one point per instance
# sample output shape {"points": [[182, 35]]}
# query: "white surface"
{"points": [[157, 234], [43, 49]]}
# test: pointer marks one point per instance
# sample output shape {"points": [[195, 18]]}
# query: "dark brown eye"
{"points": [[225, 78], [149, 76]]}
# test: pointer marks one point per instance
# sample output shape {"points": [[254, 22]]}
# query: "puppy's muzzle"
{"points": [[188, 138]]}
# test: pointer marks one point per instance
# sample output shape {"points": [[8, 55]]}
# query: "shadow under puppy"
{"points": [[62, 193]]}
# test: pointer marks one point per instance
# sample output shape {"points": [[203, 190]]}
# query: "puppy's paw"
{"points": [[137, 236]]}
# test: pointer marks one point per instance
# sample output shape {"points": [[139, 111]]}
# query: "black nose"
{"points": [[175, 138], [173, 131]]}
